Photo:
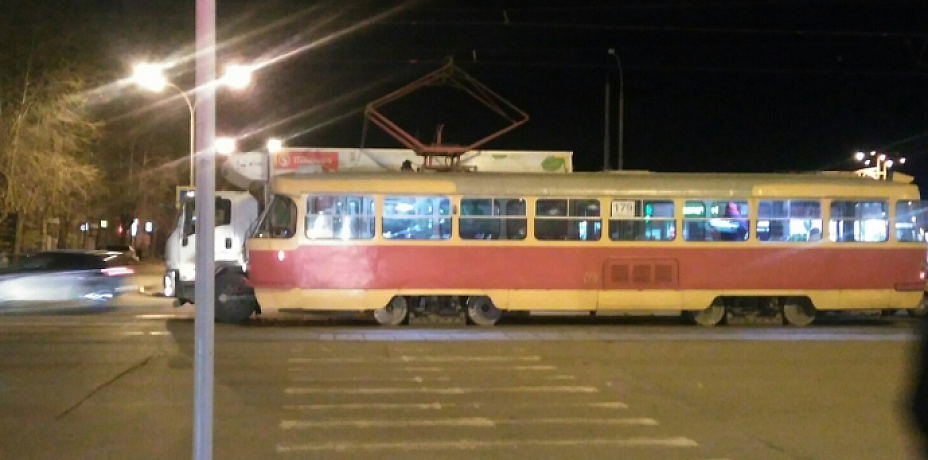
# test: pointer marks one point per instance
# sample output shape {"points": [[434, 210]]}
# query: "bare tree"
{"points": [[46, 129]]}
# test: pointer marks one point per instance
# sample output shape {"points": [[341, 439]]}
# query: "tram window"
{"points": [[345, 217], [715, 220], [417, 217], [789, 220], [910, 220], [641, 220], [567, 219], [858, 221], [492, 218], [279, 220]]}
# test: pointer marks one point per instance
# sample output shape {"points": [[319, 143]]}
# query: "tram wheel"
{"points": [[711, 316], [482, 312], [921, 309], [798, 311], [394, 313]]}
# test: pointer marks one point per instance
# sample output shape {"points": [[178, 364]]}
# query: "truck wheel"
{"points": [[235, 301]]}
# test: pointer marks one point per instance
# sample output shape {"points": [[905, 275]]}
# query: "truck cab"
{"points": [[235, 213]]}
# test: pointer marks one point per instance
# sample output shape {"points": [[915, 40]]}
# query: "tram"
{"points": [[710, 246]]}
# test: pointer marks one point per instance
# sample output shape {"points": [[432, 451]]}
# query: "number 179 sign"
{"points": [[623, 208]]}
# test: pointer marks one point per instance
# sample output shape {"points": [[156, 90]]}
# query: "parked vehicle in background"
{"points": [[61, 279], [122, 253]]}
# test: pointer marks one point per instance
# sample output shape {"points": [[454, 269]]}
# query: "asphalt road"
{"points": [[118, 384]]}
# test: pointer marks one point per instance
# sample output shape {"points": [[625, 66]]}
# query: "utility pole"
{"points": [[606, 130], [620, 140]]}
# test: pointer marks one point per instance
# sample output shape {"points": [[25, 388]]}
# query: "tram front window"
{"points": [[278, 221]]}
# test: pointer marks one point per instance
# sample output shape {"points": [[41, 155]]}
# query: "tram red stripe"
{"points": [[430, 267]]}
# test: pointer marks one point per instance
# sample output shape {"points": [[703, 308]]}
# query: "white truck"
{"points": [[236, 211]]}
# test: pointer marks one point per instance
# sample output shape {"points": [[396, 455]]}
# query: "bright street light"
{"points": [[225, 145], [151, 77], [237, 76], [274, 145]]}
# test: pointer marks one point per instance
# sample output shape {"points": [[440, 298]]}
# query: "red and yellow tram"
{"points": [[483, 244]]}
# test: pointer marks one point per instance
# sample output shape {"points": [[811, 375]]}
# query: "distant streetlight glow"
{"points": [[879, 164], [274, 145]]}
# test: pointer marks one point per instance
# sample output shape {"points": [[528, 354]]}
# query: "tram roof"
{"points": [[619, 183]]}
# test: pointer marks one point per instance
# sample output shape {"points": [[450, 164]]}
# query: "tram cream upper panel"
{"points": [[642, 185]]}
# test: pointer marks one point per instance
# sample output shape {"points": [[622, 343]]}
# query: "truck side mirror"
{"points": [[184, 241]]}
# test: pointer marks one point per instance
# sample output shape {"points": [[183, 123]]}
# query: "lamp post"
{"points": [[879, 163], [151, 77], [274, 146], [618, 63]]}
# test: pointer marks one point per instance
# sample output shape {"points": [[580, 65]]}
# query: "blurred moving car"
{"points": [[121, 253], [61, 279]]}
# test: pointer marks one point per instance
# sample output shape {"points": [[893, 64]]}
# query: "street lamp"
{"points": [[225, 145], [151, 77], [879, 163], [618, 63]]}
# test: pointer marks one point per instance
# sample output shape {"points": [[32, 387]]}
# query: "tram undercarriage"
{"points": [[480, 310], [235, 302]]}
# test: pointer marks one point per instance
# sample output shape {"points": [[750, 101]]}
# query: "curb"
{"points": [[151, 290]]}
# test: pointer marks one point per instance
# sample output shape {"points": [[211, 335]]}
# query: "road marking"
{"points": [[162, 316], [466, 421], [463, 421], [442, 390], [466, 444], [409, 359], [643, 421], [416, 379], [413, 379], [442, 368], [439, 406]]}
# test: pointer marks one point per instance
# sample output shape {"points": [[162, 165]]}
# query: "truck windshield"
{"points": [[223, 214]]}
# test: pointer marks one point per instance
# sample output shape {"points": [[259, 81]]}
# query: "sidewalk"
{"points": [[147, 277]]}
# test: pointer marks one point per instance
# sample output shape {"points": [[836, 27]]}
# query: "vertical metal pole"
{"points": [[621, 114], [621, 139], [606, 131], [206, 214], [193, 146]]}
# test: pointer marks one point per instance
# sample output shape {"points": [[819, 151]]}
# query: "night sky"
{"points": [[733, 86]]}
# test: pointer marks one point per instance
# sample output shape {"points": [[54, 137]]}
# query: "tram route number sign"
{"points": [[623, 208]]}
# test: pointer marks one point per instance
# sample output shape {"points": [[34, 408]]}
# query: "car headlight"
{"points": [[187, 272]]}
